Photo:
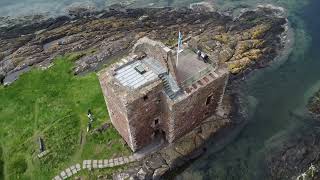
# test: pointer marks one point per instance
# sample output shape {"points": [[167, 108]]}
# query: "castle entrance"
{"points": [[159, 135]]}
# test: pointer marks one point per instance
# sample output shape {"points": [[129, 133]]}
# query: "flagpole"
{"points": [[178, 54], [179, 42]]}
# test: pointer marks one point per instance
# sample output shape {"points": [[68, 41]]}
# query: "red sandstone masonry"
{"points": [[142, 112], [188, 113], [133, 111], [116, 109]]}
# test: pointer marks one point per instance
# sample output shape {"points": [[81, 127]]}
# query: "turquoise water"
{"points": [[276, 92]]}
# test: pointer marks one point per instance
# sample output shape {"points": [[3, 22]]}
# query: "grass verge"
{"points": [[52, 104]]}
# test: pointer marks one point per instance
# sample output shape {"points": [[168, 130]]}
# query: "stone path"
{"points": [[95, 164], [108, 163]]}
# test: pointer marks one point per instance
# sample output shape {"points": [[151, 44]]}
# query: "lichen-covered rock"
{"points": [[114, 31], [226, 54], [314, 105]]}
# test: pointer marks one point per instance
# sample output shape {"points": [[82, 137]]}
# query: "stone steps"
{"points": [[95, 164], [167, 87]]}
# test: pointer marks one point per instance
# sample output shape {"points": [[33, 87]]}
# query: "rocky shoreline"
{"points": [[245, 43], [297, 156]]}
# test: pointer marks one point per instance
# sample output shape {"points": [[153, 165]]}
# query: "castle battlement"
{"points": [[148, 94]]}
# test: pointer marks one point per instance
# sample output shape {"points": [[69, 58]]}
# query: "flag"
{"points": [[179, 46], [179, 40]]}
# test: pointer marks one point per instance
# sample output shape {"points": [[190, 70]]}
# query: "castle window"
{"points": [[199, 130], [156, 122], [209, 99], [145, 97]]}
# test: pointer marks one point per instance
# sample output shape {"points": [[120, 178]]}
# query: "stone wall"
{"points": [[165, 112], [189, 112], [117, 110], [155, 51], [158, 51], [142, 114]]}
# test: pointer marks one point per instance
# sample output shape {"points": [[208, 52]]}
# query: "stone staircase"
{"points": [[167, 86]]}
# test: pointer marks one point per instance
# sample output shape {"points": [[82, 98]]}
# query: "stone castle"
{"points": [[149, 94]]}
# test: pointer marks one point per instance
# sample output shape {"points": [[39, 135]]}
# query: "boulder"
{"points": [[158, 173]]}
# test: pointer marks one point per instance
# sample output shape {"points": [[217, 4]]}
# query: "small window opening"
{"points": [[199, 130], [145, 97], [209, 99], [156, 122]]}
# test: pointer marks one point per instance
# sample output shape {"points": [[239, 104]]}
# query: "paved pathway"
{"points": [[96, 164], [108, 163]]}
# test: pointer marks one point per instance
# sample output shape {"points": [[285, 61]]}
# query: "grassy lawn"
{"points": [[52, 104]]}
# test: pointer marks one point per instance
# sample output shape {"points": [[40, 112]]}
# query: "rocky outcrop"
{"points": [[295, 157], [314, 105], [248, 41], [301, 153]]}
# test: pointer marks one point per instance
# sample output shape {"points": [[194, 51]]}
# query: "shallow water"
{"points": [[281, 93], [58, 7], [277, 92]]}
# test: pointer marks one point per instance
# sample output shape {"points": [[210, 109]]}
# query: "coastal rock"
{"points": [[99, 39], [159, 172], [299, 153], [314, 105], [172, 157], [295, 156]]}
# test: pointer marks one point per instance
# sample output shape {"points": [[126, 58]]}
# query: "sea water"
{"points": [[281, 93]]}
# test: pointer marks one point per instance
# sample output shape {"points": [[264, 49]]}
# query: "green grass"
{"points": [[1, 165], [53, 104]]}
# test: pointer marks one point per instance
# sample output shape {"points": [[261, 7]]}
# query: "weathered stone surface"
{"points": [[155, 161], [159, 172], [95, 166], [63, 174], [78, 166], [172, 158], [142, 174], [38, 42]]}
